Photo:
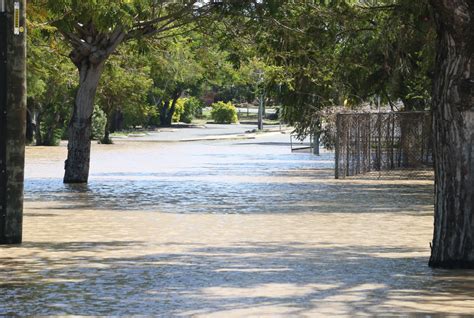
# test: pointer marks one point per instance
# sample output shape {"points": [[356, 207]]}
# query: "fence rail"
{"points": [[383, 142]]}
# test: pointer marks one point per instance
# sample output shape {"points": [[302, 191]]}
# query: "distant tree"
{"points": [[324, 53], [124, 88], [387, 50], [176, 68], [50, 96], [94, 29]]}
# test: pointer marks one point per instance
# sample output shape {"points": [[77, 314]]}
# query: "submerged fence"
{"points": [[384, 142]]}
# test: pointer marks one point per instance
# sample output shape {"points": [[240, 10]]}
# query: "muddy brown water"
{"points": [[223, 228]]}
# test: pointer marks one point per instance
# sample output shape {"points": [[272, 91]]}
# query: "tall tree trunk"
{"points": [[38, 135], [106, 139], [164, 113], [453, 123], [12, 124], [30, 129], [79, 146], [49, 138], [117, 121]]}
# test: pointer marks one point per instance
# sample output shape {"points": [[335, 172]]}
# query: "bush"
{"points": [[224, 113], [179, 110], [99, 120], [192, 108], [52, 121], [140, 115], [50, 136]]}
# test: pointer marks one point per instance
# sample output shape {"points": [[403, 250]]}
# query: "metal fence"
{"points": [[398, 142]]}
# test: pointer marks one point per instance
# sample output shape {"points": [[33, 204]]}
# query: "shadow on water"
{"points": [[206, 280], [240, 268]]}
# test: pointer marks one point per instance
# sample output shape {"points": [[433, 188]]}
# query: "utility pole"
{"points": [[12, 118]]}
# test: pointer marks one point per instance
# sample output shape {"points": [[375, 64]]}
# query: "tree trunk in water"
{"points": [[38, 135], [79, 146], [12, 124], [453, 123], [48, 138], [106, 139]]}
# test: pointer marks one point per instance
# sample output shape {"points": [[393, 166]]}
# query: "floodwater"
{"points": [[223, 228]]}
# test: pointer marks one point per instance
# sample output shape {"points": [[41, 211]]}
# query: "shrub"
{"points": [[192, 108], [140, 115], [53, 122], [50, 136], [179, 110], [99, 120], [51, 126], [224, 113]]}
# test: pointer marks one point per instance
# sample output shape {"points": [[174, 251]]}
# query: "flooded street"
{"points": [[223, 228]]}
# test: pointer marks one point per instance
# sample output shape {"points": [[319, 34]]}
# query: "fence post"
{"points": [[337, 154], [379, 143], [348, 148], [358, 123], [392, 155], [369, 142]]}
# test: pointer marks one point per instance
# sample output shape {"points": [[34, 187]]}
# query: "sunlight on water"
{"points": [[228, 228]]}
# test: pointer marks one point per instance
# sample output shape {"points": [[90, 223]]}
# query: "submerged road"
{"points": [[223, 228]]}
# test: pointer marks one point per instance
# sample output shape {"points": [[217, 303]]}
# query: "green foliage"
{"points": [[179, 110], [124, 87], [192, 108], [99, 120], [224, 113], [51, 136], [50, 97], [139, 116], [388, 52], [306, 55], [94, 30], [175, 69], [323, 53], [128, 15]]}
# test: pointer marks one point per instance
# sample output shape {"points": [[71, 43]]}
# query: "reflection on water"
{"points": [[223, 229], [207, 178], [215, 178]]}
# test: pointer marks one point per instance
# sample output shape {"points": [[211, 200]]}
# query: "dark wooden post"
{"points": [[348, 131], [12, 119], [357, 143], [316, 136], [379, 143], [369, 142], [338, 145]]}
